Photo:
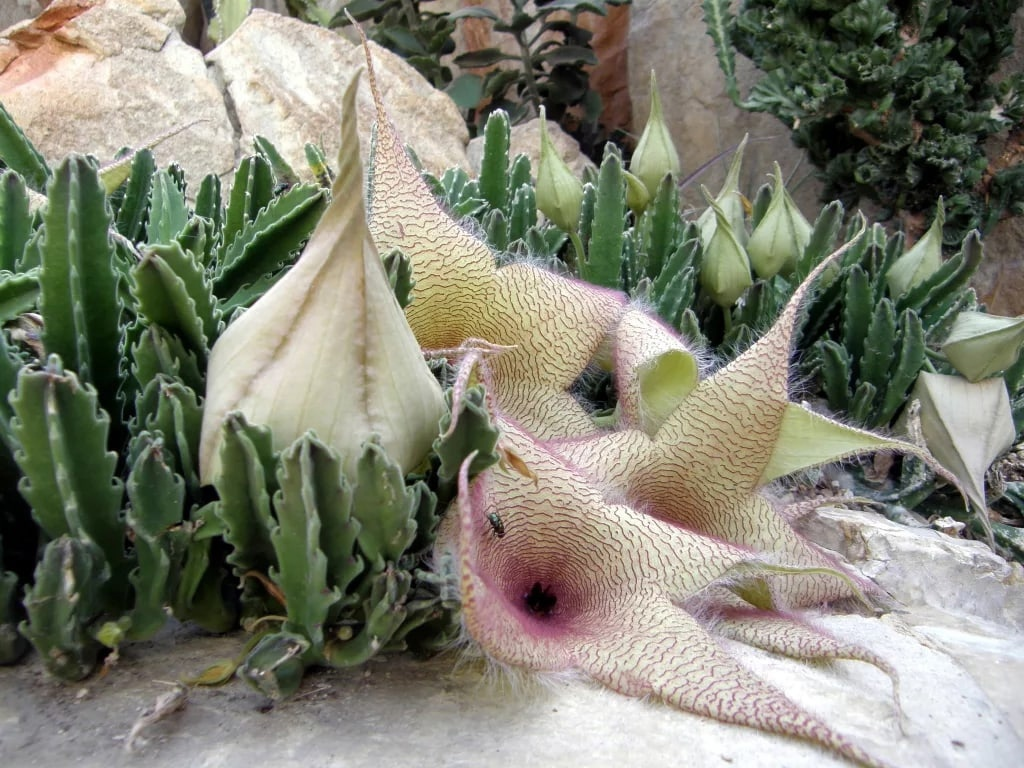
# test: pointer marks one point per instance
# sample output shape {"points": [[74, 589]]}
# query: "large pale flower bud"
{"points": [[655, 154], [559, 193], [725, 267], [780, 236], [327, 348], [981, 345]]}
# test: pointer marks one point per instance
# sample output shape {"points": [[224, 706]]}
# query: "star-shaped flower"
{"points": [[623, 553]]}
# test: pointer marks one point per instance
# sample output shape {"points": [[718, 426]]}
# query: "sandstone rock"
{"points": [[1000, 278], [922, 567], [525, 139], [93, 76], [670, 37], [284, 80], [610, 78]]}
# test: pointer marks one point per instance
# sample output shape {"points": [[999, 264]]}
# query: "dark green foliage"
{"points": [[399, 272], [513, 228], [20, 155], [156, 496], [78, 282], [68, 473], [171, 291], [384, 508], [135, 198], [12, 644], [267, 243], [892, 101], [14, 212], [407, 27], [63, 603], [246, 485], [601, 263], [341, 554], [473, 432], [310, 490], [100, 417], [548, 68]]}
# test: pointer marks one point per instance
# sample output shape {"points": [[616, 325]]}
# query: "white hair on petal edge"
{"points": [[506, 678], [707, 360]]}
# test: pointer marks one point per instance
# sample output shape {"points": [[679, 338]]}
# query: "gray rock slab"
{"points": [[923, 568], [284, 80], [13, 11]]}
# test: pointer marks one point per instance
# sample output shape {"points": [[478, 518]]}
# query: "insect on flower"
{"points": [[496, 524]]}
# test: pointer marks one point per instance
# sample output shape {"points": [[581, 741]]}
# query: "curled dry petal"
{"points": [[327, 348], [654, 371]]}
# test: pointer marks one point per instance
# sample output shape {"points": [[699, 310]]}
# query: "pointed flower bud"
{"points": [[655, 154], [730, 200], [559, 193], [637, 197], [725, 269], [780, 236], [981, 345], [327, 348], [921, 260]]}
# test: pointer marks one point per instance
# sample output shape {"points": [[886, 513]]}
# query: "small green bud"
{"points": [[730, 200], [980, 345], [655, 153], [725, 269], [559, 193], [637, 197], [921, 260], [781, 235]]}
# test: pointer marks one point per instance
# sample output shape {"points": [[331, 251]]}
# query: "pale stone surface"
{"points": [[285, 78], [525, 139], [117, 75], [400, 712], [922, 567], [956, 644], [670, 37]]}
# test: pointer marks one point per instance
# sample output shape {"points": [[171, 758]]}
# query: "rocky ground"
{"points": [[956, 641]]}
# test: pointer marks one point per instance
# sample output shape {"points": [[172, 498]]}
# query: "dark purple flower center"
{"points": [[540, 600]]}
